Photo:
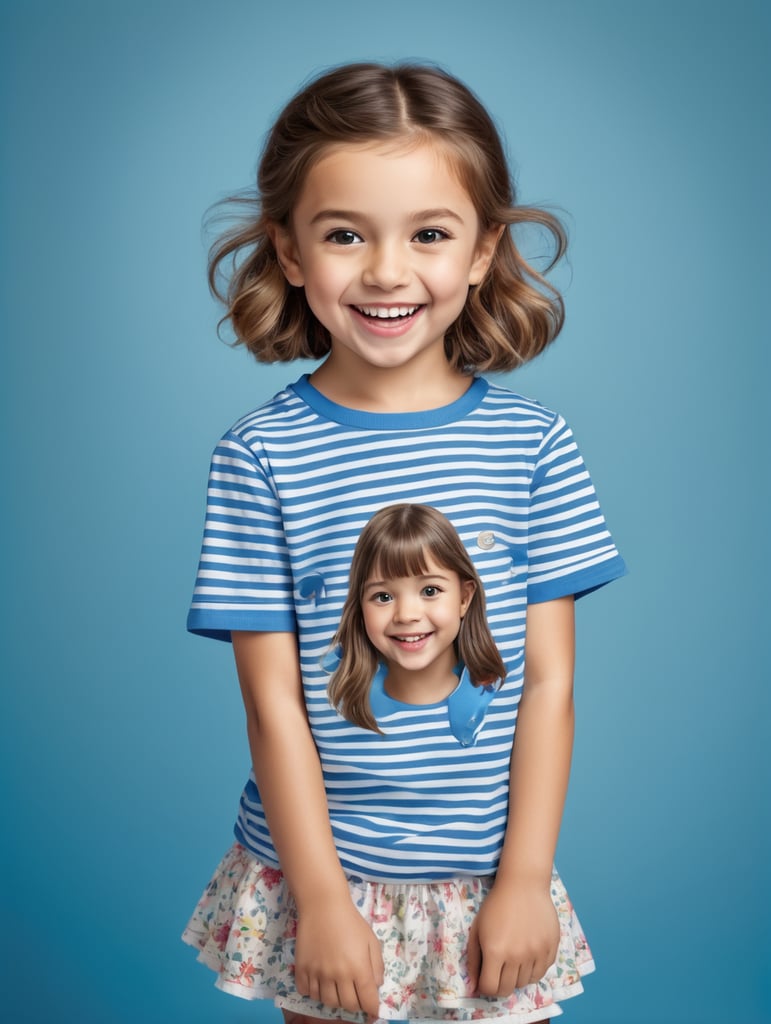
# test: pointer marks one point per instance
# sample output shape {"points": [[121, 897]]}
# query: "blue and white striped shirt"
{"points": [[291, 486]]}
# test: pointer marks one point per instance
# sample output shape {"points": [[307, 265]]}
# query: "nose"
{"points": [[387, 267], [407, 609]]}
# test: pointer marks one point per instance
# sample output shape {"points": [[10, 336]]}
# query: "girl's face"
{"points": [[385, 243], [413, 622]]}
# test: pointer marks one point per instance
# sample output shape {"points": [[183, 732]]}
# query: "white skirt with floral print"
{"points": [[245, 924]]}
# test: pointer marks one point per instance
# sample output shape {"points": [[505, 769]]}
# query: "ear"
{"points": [[484, 253], [467, 591], [286, 253]]}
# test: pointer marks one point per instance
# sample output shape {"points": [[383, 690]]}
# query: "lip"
{"points": [[410, 645], [383, 327]]}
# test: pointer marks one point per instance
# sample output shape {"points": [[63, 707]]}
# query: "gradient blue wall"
{"points": [[123, 751]]}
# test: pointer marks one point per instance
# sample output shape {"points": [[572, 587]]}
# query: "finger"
{"points": [[508, 980], [544, 963], [490, 976], [473, 959], [376, 961], [541, 967], [525, 973], [349, 999], [368, 995], [328, 994], [302, 982]]}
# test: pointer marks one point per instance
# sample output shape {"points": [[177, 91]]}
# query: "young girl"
{"points": [[416, 601], [381, 244]]}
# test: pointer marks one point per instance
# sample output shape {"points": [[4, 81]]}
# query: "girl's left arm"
{"points": [[515, 937]]}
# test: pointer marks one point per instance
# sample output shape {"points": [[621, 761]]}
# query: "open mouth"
{"points": [[415, 638], [392, 313]]}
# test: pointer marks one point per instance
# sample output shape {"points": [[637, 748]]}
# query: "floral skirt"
{"points": [[245, 924]]}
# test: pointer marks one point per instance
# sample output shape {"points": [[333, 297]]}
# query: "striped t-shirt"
{"points": [[290, 489]]}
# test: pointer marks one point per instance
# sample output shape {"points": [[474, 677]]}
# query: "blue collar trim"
{"points": [[467, 704], [452, 413]]}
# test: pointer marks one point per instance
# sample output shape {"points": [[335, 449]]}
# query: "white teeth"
{"points": [[411, 639], [387, 312]]}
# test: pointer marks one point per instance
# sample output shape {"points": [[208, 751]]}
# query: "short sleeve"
{"points": [[244, 579], [570, 550]]}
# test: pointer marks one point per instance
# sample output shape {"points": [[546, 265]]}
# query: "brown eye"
{"points": [[343, 237], [429, 236]]}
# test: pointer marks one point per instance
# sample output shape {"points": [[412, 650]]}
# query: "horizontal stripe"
{"points": [[291, 487]]}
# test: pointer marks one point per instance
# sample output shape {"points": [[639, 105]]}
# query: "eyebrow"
{"points": [[419, 576], [439, 213]]}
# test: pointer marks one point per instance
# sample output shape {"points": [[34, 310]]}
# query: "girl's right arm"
{"points": [[337, 957]]}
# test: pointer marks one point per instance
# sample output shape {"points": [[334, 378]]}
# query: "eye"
{"points": [[431, 591], [343, 237], [382, 597], [430, 236]]}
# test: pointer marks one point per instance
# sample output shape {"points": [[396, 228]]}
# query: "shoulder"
{"points": [[247, 443], [285, 416], [270, 414], [519, 412]]}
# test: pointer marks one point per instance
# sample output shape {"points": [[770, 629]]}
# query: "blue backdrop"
{"points": [[123, 746]]}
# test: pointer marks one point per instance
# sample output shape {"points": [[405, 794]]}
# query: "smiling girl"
{"points": [[386, 276], [416, 601], [381, 244]]}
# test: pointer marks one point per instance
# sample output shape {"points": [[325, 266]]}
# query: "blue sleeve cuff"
{"points": [[578, 583], [218, 624]]}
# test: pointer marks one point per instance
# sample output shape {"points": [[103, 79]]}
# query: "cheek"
{"points": [[324, 279], [450, 283], [372, 622], [449, 618]]}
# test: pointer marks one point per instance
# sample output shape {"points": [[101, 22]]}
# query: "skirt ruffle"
{"points": [[245, 924]]}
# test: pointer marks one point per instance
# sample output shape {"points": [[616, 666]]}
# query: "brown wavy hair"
{"points": [[509, 317], [397, 542]]}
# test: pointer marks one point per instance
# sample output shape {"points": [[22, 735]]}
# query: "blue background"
{"points": [[123, 748]]}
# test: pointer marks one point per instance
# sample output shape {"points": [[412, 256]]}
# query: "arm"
{"points": [[515, 937], [337, 958]]}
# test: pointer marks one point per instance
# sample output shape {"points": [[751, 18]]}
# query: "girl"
{"points": [[381, 245], [415, 598]]}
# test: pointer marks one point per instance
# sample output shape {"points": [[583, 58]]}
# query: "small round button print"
{"points": [[486, 540]]}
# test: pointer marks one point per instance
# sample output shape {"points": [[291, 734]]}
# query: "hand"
{"points": [[514, 939], [337, 958]]}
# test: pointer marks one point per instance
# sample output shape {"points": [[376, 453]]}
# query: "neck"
{"points": [[390, 390], [423, 686]]}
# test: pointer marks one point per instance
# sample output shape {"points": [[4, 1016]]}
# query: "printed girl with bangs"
{"points": [[416, 601], [395, 861]]}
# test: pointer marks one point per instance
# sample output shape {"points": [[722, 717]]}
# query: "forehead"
{"points": [[386, 179], [428, 566]]}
